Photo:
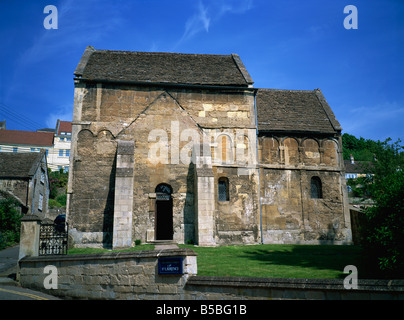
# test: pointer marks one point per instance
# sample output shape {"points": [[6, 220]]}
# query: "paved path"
{"points": [[165, 246], [9, 288], [8, 259]]}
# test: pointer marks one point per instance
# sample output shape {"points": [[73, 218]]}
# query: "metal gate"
{"points": [[53, 239]]}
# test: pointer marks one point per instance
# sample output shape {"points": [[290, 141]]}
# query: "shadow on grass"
{"points": [[307, 260]]}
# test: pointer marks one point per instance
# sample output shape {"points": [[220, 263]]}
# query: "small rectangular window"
{"points": [[223, 189], [316, 188]]}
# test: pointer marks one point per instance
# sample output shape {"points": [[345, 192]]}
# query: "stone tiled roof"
{"points": [[159, 67], [19, 165], [294, 111]]}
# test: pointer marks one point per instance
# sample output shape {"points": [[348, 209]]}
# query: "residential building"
{"points": [[355, 169], [55, 142], [17, 141], [59, 158], [24, 177]]}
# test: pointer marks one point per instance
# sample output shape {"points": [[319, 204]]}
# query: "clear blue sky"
{"points": [[288, 44]]}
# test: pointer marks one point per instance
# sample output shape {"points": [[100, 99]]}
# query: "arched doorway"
{"points": [[164, 212]]}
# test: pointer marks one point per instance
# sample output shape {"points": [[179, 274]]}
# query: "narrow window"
{"points": [[316, 188], [42, 180], [40, 202], [223, 189]]}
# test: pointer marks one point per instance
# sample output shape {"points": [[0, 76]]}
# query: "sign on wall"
{"points": [[170, 266]]}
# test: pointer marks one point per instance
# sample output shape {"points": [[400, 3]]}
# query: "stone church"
{"points": [[182, 147]]}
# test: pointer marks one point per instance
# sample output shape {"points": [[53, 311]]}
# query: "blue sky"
{"points": [[288, 44]]}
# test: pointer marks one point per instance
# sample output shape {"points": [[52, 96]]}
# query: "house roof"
{"points": [[20, 165], [294, 111], [63, 126], [26, 138], [358, 166], [162, 67]]}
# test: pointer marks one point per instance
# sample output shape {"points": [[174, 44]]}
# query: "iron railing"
{"points": [[53, 239]]}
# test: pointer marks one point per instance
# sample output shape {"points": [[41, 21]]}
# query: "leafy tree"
{"points": [[361, 149], [10, 222], [384, 222], [58, 182]]}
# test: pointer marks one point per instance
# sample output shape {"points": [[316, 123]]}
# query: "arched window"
{"points": [[223, 189], [316, 188], [163, 192]]}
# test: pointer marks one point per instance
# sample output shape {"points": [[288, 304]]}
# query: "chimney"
{"points": [[352, 159]]}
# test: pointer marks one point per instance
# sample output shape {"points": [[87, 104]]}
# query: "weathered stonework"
{"points": [[115, 198]]}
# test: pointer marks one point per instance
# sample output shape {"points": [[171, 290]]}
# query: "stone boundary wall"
{"points": [[291, 289], [134, 275], [115, 275]]}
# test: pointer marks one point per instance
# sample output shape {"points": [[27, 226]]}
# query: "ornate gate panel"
{"points": [[53, 240]]}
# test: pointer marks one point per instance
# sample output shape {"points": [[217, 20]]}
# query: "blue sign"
{"points": [[170, 266]]}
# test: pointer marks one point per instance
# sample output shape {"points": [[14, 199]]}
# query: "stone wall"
{"points": [[290, 212], [232, 288], [17, 187], [115, 275], [164, 125], [134, 275]]}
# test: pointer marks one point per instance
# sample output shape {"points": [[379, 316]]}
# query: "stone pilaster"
{"points": [[29, 236], [123, 203], [204, 196]]}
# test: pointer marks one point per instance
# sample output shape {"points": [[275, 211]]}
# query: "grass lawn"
{"points": [[270, 260], [278, 261]]}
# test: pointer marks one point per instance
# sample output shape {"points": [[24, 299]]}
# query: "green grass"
{"points": [[279, 261], [270, 260]]}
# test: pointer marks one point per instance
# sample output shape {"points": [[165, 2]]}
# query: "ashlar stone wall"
{"points": [[290, 212], [163, 124]]}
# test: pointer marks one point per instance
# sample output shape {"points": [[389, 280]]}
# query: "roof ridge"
{"points": [[159, 52], [287, 90]]}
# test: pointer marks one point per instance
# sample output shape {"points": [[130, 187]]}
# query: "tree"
{"points": [[10, 222], [361, 149], [384, 222], [58, 183]]}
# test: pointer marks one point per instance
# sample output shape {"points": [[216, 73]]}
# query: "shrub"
{"points": [[384, 222], [10, 222]]}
